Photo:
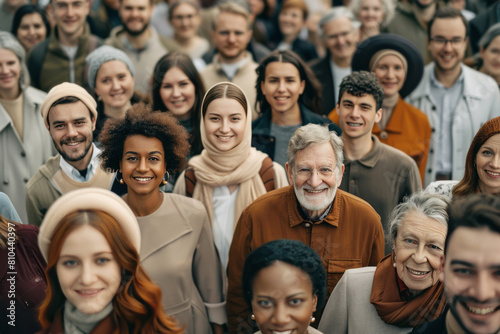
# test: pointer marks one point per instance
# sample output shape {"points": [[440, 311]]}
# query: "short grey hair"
{"points": [[334, 13], [311, 134], [9, 42], [431, 205], [387, 7], [489, 35]]}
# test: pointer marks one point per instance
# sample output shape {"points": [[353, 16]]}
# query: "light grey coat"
{"points": [[479, 103], [349, 309], [20, 159]]}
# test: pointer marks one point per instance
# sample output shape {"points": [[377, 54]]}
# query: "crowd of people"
{"points": [[250, 166]]}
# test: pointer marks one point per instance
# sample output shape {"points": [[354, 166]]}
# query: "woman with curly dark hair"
{"points": [[95, 282], [284, 282], [177, 250], [288, 96]]}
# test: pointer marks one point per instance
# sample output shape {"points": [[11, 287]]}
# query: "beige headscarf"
{"points": [[240, 165]]}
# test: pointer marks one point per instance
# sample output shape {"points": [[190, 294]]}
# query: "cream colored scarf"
{"points": [[240, 165]]}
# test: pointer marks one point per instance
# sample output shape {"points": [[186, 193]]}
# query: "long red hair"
{"points": [[137, 305]]}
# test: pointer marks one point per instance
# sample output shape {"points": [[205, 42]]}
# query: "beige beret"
{"points": [[88, 199], [67, 89]]}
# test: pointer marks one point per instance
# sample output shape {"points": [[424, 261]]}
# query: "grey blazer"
{"points": [[349, 309]]}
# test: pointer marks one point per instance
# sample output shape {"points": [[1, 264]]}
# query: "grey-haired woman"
{"points": [[25, 143]]}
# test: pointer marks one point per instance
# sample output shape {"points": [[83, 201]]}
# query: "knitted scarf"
{"points": [[240, 165], [77, 322], [417, 311]]}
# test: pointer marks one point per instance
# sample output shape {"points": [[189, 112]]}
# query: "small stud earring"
{"points": [[252, 317], [121, 181], [394, 264], [313, 319]]}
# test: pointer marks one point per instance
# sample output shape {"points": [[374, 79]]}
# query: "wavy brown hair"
{"points": [[470, 182], [137, 305]]}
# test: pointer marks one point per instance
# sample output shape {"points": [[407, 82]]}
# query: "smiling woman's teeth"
{"points": [[143, 178], [284, 332], [417, 272]]}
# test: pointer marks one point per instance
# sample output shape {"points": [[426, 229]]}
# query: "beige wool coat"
{"points": [[178, 254]]}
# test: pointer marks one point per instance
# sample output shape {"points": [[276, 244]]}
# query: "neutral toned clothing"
{"points": [[178, 254], [50, 182], [20, 159], [15, 110], [323, 70], [383, 178], [264, 141], [7, 209], [145, 59], [478, 104], [408, 130], [245, 77], [407, 24], [446, 101], [106, 326], [349, 309], [350, 236], [224, 204], [443, 188], [56, 66], [93, 166]]}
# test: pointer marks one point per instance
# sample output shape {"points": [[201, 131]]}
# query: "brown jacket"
{"points": [[351, 236]]}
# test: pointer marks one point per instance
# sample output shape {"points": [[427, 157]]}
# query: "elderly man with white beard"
{"points": [[343, 229]]}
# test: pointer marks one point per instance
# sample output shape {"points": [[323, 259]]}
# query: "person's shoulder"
{"points": [[360, 273], [35, 94], [478, 77], [351, 203], [186, 203], [399, 158], [269, 200], [43, 173]]}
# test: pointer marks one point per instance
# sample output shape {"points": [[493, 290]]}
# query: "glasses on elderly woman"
{"points": [[324, 173]]}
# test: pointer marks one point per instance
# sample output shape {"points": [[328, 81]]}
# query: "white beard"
{"points": [[319, 202]]}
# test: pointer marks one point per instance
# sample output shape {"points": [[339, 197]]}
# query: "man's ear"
{"points": [[289, 173], [378, 115]]}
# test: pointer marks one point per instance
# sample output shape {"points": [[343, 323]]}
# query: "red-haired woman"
{"points": [[90, 239]]}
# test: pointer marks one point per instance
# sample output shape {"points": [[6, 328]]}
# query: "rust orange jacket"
{"points": [[350, 236]]}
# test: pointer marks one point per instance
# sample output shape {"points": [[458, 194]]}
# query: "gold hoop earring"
{"points": [[121, 181], [252, 317], [165, 179]]}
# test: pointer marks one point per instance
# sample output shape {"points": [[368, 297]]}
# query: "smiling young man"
{"points": [[470, 268], [70, 116], [343, 229], [231, 33], [61, 57], [456, 99], [374, 171], [139, 40]]}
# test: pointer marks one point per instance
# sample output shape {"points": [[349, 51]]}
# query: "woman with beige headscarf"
{"points": [[229, 174]]}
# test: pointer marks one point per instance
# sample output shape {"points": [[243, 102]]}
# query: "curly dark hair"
{"points": [[311, 97], [140, 120], [292, 252], [360, 84]]}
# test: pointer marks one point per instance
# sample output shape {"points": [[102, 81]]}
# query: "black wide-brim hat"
{"points": [[372, 45]]}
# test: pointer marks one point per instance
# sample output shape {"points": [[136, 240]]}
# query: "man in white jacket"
{"points": [[456, 98]]}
